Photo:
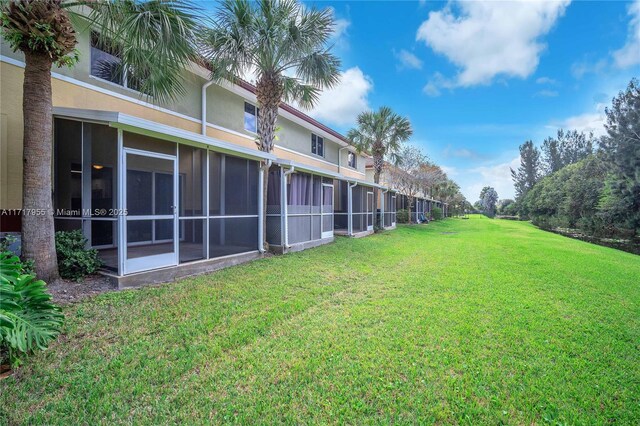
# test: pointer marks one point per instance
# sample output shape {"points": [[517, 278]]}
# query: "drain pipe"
{"points": [[285, 225], [263, 169], [382, 207], [204, 106], [350, 199]]}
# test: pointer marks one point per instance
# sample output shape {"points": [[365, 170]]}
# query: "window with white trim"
{"points": [[106, 64], [250, 117], [317, 145], [351, 160]]}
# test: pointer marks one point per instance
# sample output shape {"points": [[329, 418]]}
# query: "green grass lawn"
{"points": [[464, 321]]}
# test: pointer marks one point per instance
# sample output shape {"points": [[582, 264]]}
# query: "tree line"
{"points": [[578, 181]]}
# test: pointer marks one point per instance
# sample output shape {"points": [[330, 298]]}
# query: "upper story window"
{"points": [[250, 117], [351, 160], [106, 63], [317, 145]]}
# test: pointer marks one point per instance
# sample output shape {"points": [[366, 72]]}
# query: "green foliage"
{"points": [[488, 201], [402, 216], [568, 147], [528, 172], [381, 133], [436, 213], [285, 41], [622, 148], [75, 261], [28, 318]]}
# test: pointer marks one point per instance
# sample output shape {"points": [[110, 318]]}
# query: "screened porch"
{"points": [[149, 196]]}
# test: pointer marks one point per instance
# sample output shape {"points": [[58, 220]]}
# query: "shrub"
{"points": [[28, 318], [74, 260], [436, 213], [402, 216]]}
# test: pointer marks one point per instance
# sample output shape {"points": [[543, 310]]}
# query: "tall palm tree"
{"points": [[284, 44], [380, 133], [155, 39]]}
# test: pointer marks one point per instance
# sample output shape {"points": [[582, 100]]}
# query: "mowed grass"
{"points": [[463, 321]]}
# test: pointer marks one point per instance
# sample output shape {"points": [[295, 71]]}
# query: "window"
{"points": [[250, 117], [106, 63], [317, 145], [351, 160]]}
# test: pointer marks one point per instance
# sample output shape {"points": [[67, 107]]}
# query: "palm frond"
{"points": [[304, 95]]}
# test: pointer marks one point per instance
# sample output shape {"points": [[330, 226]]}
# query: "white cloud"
{"points": [[450, 171], [498, 176], [485, 39], [592, 121], [342, 104], [437, 82], [546, 80], [340, 36], [579, 69], [408, 60], [547, 93], [629, 54]]}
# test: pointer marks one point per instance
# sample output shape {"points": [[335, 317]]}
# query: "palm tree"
{"points": [[156, 40], [380, 133], [284, 44]]}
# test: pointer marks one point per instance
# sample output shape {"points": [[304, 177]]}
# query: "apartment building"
{"points": [[177, 188]]}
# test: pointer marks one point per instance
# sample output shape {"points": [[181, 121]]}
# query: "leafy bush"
{"points": [[436, 213], [28, 318], [402, 216], [74, 260]]}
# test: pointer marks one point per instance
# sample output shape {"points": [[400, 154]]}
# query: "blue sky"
{"points": [[479, 78]]}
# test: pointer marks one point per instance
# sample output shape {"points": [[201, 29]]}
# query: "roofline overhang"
{"points": [[141, 126], [318, 171]]}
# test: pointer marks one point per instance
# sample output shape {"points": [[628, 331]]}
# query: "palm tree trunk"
{"points": [[269, 94], [38, 238]]}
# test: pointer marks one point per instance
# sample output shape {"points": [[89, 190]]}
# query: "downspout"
{"points": [[382, 207], [350, 209], [204, 106], [285, 226], [264, 168]]}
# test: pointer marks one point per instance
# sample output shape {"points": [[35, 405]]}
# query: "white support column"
{"points": [[206, 212], [121, 205], [85, 205], [261, 196]]}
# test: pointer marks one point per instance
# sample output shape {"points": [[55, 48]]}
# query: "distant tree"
{"points": [[575, 146], [568, 147], [431, 176], [381, 133], [528, 172], [404, 177], [552, 158], [505, 204], [488, 201], [570, 198], [622, 150]]}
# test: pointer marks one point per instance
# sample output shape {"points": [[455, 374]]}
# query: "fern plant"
{"points": [[28, 318]]}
